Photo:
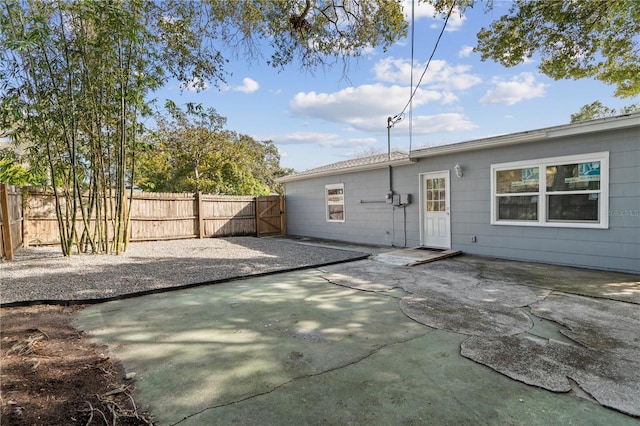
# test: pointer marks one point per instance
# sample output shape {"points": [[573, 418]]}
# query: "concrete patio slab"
{"points": [[414, 256], [333, 346]]}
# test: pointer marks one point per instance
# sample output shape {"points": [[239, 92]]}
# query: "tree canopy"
{"points": [[596, 110], [76, 77], [191, 151], [574, 39]]}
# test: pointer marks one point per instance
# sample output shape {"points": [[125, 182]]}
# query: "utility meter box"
{"points": [[401, 199]]}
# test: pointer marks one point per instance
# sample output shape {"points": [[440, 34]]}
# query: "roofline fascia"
{"points": [[572, 129], [610, 123], [497, 141], [347, 170]]}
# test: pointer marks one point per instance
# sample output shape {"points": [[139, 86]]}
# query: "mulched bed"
{"points": [[53, 375]]}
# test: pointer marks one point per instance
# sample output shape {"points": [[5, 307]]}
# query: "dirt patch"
{"points": [[52, 374]]}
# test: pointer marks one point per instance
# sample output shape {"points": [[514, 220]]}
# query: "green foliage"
{"points": [[190, 151], [575, 39], [596, 110], [14, 173], [315, 32], [75, 78]]}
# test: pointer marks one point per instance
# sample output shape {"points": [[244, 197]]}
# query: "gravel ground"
{"points": [[43, 275]]}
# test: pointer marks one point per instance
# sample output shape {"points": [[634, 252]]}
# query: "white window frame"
{"points": [[603, 192], [328, 203]]}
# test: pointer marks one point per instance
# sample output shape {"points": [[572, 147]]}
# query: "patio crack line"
{"points": [[307, 376], [381, 292]]}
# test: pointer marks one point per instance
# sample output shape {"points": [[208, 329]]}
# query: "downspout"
{"points": [[390, 192], [389, 125]]}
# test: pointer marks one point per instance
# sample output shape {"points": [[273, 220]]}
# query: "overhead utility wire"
{"points": [[398, 117], [413, 37]]}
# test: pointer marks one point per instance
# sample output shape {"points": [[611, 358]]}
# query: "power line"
{"points": [[413, 37], [398, 117]]}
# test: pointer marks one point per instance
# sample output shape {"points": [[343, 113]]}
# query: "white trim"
{"points": [[493, 142], [421, 215], [346, 170], [542, 163], [498, 141], [326, 201], [572, 129]]}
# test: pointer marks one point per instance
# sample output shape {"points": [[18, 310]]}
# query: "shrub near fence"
{"points": [[165, 216]]}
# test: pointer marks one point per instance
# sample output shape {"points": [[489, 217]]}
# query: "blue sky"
{"points": [[325, 117]]}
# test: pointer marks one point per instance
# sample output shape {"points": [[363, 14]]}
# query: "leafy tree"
{"points": [[15, 173], [575, 39], [318, 33], [190, 151], [75, 78], [630, 109], [596, 110]]}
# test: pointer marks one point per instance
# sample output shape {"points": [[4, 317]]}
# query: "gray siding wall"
{"points": [[368, 218], [616, 248]]}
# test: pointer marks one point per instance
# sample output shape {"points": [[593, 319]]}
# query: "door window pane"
{"points": [[436, 195]]}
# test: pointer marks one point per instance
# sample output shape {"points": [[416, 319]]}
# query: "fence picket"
{"points": [[155, 216]]}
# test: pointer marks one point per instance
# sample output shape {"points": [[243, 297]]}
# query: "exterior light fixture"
{"points": [[458, 170]]}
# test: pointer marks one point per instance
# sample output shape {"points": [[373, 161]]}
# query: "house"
{"points": [[567, 195]]}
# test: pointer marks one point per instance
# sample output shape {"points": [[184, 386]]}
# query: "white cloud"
{"points": [[447, 122], [426, 10], [298, 138], [364, 107], [519, 88], [421, 9], [456, 21], [465, 52], [349, 142], [326, 140], [249, 85], [440, 75]]}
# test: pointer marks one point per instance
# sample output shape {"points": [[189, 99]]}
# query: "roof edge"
{"points": [[381, 165], [592, 126], [564, 130]]}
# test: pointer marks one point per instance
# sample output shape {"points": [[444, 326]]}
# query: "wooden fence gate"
{"points": [[270, 216], [154, 216]]}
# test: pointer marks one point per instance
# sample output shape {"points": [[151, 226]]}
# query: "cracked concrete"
{"points": [[219, 345], [593, 342], [371, 343]]}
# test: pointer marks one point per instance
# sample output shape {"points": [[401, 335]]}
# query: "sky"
{"points": [[329, 116]]}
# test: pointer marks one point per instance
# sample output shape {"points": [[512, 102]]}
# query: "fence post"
{"points": [[199, 215], [6, 221], [256, 203], [283, 217], [25, 216]]}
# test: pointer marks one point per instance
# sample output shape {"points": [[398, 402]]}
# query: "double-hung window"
{"points": [[334, 198], [571, 191]]}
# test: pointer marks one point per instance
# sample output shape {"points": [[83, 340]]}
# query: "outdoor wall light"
{"points": [[458, 170]]}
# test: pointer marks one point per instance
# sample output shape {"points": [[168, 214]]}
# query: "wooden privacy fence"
{"points": [[11, 220], [162, 216]]}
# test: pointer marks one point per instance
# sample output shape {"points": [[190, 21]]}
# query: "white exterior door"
{"points": [[435, 230]]}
